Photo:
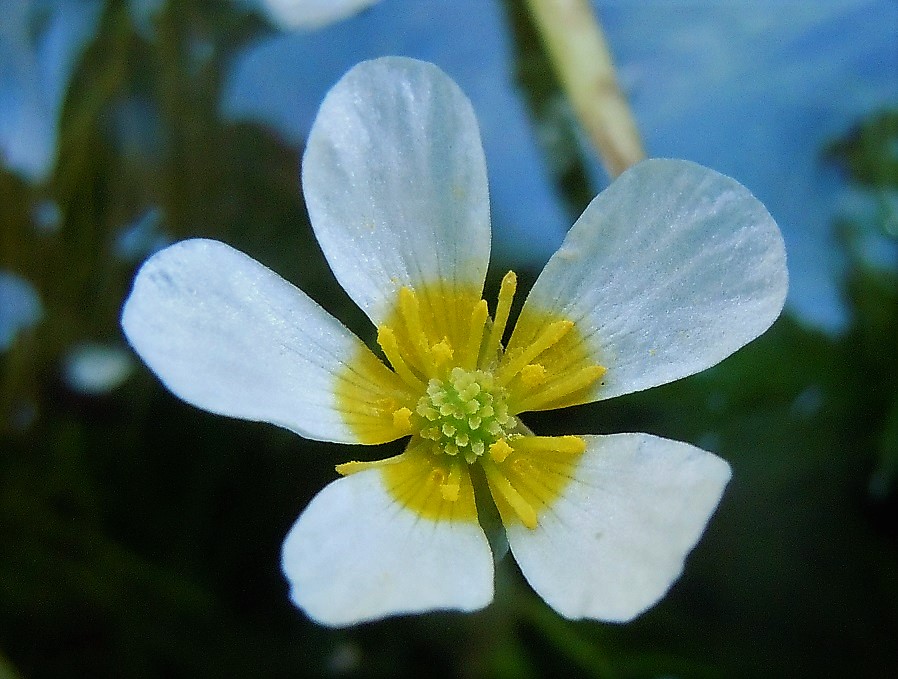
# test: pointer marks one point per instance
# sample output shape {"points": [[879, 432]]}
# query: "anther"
{"points": [[386, 338], [402, 419], [500, 450], [503, 308], [451, 488], [475, 335], [558, 444], [411, 314], [533, 375], [550, 336], [501, 485], [567, 385], [442, 352]]}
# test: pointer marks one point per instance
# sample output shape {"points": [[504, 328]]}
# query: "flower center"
{"points": [[457, 390], [464, 414]]}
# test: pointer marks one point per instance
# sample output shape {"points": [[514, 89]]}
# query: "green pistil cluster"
{"points": [[464, 414]]}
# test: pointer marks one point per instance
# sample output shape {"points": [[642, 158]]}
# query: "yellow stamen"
{"points": [[442, 352], [411, 314], [533, 375], [500, 450], [572, 445], [568, 384], [550, 335], [503, 308], [456, 390], [475, 335], [386, 338], [450, 489], [354, 466], [498, 483], [402, 419]]}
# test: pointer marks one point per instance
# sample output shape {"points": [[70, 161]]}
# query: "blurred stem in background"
{"points": [[580, 56], [7, 671]]}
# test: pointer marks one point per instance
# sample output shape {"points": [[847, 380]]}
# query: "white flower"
{"points": [[667, 272], [309, 14]]}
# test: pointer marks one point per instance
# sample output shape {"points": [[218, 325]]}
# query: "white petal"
{"points": [[308, 14], [232, 337], [356, 555], [395, 183], [615, 540], [666, 273]]}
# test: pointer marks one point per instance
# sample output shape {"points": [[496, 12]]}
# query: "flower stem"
{"points": [[579, 53]]}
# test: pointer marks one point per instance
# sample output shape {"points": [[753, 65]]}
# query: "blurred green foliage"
{"points": [[140, 537]]}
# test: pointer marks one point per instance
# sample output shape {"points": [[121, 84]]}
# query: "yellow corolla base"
{"points": [[457, 391]]}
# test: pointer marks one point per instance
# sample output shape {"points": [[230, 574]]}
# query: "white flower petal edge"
{"points": [[395, 183], [355, 555], [668, 271], [229, 335], [310, 14], [616, 539]]}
